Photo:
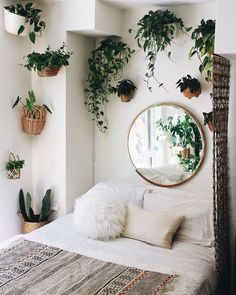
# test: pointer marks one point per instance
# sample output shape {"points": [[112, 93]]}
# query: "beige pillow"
{"points": [[156, 228]]}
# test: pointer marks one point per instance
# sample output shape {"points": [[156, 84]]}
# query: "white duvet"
{"points": [[193, 263]]}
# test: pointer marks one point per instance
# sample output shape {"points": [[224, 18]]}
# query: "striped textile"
{"points": [[32, 268]]}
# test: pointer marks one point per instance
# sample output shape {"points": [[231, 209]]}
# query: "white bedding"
{"points": [[194, 263]]}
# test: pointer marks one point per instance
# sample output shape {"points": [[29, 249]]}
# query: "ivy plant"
{"points": [[50, 58], [106, 66], [32, 17], [155, 33], [204, 38]]}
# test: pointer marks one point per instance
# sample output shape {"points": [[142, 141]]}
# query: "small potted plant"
{"points": [[125, 90], [208, 120], [34, 221], [189, 86], [33, 116], [13, 166], [48, 64], [23, 20]]}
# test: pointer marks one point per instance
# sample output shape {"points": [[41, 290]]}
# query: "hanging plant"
{"points": [[24, 20], [204, 38], [48, 63], [105, 66], [189, 86], [208, 120], [13, 166], [155, 33], [33, 116], [125, 90]]}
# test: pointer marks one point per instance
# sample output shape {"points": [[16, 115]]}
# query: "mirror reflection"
{"points": [[166, 144]]}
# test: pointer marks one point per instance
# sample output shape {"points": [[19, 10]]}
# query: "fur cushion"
{"points": [[101, 218]]}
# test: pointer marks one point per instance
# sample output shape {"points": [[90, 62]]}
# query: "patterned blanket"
{"points": [[32, 268]]}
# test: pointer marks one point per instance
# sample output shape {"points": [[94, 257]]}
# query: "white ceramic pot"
{"points": [[12, 23]]}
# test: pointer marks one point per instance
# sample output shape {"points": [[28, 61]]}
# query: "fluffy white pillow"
{"points": [[156, 228], [102, 217], [197, 227]]}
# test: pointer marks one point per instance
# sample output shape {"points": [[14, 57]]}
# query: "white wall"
{"points": [[79, 128], [112, 160], [14, 80], [225, 28]]}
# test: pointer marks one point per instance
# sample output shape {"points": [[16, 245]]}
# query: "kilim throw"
{"points": [[33, 269]]}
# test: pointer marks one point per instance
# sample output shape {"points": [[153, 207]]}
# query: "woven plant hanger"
{"points": [[33, 122], [15, 173], [220, 101]]}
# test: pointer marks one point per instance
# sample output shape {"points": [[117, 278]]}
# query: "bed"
{"points": [[188, 268]]}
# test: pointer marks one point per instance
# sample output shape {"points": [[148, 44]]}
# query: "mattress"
{"points": [[193, 263]]}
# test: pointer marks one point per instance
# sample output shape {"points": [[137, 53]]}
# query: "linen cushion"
{"points": [[197, 227], [156, 228], [102, 217]]}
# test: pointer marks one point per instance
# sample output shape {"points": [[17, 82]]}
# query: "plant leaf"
{"points": [[32, 37], [21, 30], [16, 102]]}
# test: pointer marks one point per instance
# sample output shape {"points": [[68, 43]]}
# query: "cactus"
{"points": [[28, 213]]}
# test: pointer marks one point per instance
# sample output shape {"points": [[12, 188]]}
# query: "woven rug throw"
{"points": [[32, 268], [221, 80]]}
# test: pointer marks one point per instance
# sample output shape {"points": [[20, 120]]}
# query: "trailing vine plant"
{"points": [[105, 67], [204, 38], [155, 33]]}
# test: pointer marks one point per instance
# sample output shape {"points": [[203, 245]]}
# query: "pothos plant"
{"points": [[106, 65], [32, 17], [155, 33], [204, 38]]}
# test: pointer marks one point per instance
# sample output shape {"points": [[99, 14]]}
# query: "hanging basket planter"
{"points": [[35, 125], [12, 23], [125, 90], [49, 72], [190, 87], [13, 167], [128, 97]]}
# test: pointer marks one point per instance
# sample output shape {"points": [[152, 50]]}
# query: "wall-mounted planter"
{"points": [[125, 90], [190, 87], [33, 126], [13, 166], [49, 72], [12, 23]]}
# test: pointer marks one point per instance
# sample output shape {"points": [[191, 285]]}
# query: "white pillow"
{"points": [[121, 190], [156, 228], [99, 218], [197, 227]]}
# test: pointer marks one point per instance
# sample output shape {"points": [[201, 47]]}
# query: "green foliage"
{"points": [[30, 105], [190, 164], [32, 17], [208, 118], [125, 87], [155, 33], [26, 210], [204, 37], [180, 131], [14, 163], [50, 58], [188, 83], [105, 66]]}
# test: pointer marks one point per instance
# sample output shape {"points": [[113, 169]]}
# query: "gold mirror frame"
{"points": [[203, 151]]}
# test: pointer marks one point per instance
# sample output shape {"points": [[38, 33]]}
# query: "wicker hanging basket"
{"points": [[187, 93], [33, 125], [28, 227], [15, 173], [49, 72]]}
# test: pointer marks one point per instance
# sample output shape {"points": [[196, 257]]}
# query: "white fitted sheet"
{"points": [[193, 263]]}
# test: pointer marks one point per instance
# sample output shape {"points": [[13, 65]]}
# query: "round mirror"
{"points": [[166, 144]]}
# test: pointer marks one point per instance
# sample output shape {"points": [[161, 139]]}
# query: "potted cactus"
{"points": [[125, 90], [13, 166], [189, 86], [33, 116], [34, 221]]}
